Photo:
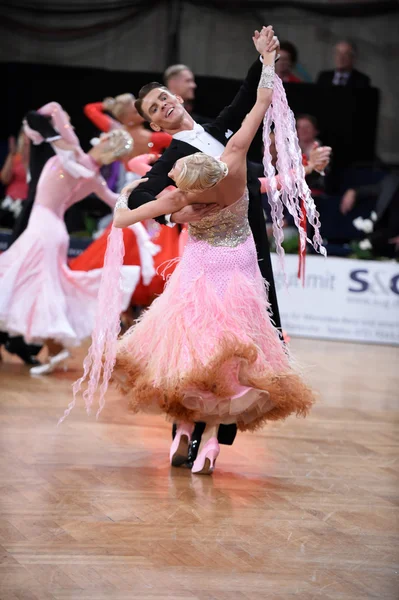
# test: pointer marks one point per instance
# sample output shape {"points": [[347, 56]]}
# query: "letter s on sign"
{"points": [[355, 276]]}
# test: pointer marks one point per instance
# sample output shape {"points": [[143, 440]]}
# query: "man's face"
{"points": [[306, 131], [344, 56], [164, 110], [183, 85]]}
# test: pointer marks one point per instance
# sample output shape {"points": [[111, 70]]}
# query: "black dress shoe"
{"points": [[195, 442], [17, 346], [3, 337], [34, 349]]}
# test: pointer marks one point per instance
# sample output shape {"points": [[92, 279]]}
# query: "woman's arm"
{"points": [[167, 203], [94, 112]]}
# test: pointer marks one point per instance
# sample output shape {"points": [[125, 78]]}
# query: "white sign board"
{"points": [[343, 299]]}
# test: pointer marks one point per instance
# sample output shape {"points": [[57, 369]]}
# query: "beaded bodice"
{"points": [[227, 227]]}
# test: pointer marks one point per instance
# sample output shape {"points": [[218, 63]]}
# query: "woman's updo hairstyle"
{"points": [[117, 143], [200, 172], [119, 105]]}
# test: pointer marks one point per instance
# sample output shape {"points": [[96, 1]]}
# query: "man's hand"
{"points": [[152, 158], [194, 213], [108, 103], [132, 186], [266, 40], [348, 201]]}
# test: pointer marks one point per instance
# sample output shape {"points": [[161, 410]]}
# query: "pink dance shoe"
{"points": [[205, 461], [179, 448]]}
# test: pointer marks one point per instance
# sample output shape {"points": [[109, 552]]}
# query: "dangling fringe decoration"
{"points": [[100, 360], [294, 188]]}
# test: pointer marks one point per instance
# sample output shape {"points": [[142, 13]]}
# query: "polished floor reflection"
{"points": [[304, 509]]}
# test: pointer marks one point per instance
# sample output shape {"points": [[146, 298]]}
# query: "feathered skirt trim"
{"points": [[207, 350]]}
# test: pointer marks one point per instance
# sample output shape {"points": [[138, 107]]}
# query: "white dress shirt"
{"points": [[201, 139], [341, 77]]}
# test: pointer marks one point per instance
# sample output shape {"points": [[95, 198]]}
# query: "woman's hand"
{"points": [[132, 186], [108, 103], [319, 157], [265, 40]]}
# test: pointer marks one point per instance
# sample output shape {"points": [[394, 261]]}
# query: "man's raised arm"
{"points": [[233, 115]]}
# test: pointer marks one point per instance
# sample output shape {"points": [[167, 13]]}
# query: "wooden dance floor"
{"points": [[306, 509]]}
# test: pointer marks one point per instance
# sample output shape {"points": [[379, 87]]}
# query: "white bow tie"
{"points": [[193, 133]]}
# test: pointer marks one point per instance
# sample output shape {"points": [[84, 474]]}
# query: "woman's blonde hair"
{"points": [[118, 143], [200, 172], [120, 104]]}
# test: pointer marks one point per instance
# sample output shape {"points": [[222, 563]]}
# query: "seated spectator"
{"points": [[384, 239], [345, 73], [13, 176], [286, 63], [316, 162], [307, 136], [307, 129]]}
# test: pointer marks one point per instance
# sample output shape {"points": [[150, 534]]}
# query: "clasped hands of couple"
{"points": [[191, 213]]}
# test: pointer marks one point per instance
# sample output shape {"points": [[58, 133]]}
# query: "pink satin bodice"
{"points": [[58, 190]]}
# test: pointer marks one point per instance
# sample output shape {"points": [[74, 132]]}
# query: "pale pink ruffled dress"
{"points": [[40, 296], [206, 350]]}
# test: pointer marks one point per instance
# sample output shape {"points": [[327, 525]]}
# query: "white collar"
{"points": [[189, 134]]}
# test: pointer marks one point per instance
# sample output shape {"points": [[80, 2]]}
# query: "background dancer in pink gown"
{"points": [[41, 298]]}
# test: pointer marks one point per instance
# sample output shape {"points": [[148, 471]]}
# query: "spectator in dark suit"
{"points": [[344, 74]]}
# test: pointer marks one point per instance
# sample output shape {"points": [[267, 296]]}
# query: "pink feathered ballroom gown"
{"points": [[206, 350], [40, 296]]}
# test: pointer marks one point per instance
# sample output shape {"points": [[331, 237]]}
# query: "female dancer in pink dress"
{"points": [[206, 350], [41, 299]]}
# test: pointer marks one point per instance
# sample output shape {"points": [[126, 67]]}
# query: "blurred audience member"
{"points": [[345, 73], [286, 63], [14, 178], [308, 131], [181, 81], [384, 238]]}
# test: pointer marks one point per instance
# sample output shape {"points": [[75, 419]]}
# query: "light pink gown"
{"points": [[206, 349], [40, 296]]}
